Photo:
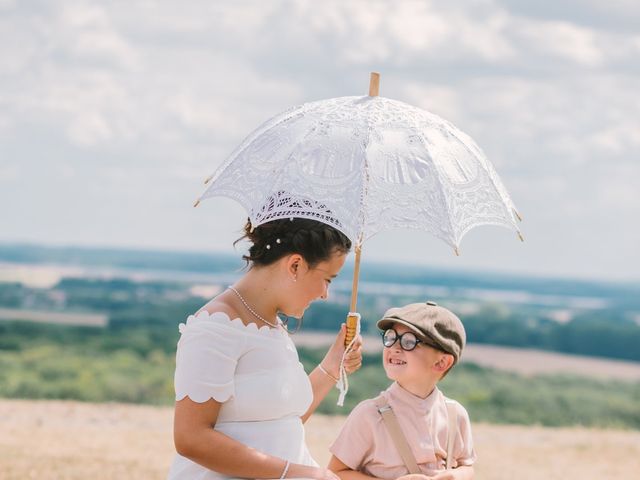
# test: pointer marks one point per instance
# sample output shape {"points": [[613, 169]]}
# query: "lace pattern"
{"points": [[364, 164]]}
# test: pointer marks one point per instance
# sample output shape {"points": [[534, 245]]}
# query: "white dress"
{"points": [[257, 376]]}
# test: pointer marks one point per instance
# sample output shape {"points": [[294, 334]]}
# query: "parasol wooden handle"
{"points": [[352, 320], [352, 328]]}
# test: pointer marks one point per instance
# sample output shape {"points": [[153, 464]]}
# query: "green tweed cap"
{"points": [[435, 325]]}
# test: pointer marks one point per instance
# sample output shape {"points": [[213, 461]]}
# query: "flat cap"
{"points": [[433, 324]]}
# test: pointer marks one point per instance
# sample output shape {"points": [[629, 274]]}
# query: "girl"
{"points": [[242, 395]]}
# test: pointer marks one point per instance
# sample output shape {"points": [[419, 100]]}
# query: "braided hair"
{"points": [[315, 241]]}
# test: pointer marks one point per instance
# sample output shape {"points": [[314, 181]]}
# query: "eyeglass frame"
{"points": [[399, 337]]}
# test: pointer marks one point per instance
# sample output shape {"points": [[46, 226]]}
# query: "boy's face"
{"points": [[414, 367]]}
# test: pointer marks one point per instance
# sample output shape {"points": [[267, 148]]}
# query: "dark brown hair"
{"points": [[315, 241]]}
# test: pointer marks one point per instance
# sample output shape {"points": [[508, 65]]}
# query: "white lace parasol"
{"points": [[362, 165]]}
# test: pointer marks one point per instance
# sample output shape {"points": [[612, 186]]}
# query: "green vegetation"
{"points": [[600, 333], [605, 332], [499, 397], [136, 365], [132, 359]]}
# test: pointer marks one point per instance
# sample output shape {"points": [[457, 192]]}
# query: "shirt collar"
{"points": [[398, 394]]}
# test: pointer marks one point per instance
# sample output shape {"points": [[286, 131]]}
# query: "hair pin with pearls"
{"points": [[278, 241]]}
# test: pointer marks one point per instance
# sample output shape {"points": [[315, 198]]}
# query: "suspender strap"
{"points": [[400, 441], [393, 427], [452, 413]]}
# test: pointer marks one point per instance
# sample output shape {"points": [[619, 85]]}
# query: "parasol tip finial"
{"points": [[520, 236], [208, 179], [374, 84], [197, 203], [456, 251], [518, 216]]}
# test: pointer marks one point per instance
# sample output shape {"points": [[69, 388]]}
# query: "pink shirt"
{"points": [[365, 445]]}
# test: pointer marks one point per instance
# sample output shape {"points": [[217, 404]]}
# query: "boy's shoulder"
{"points": [[461, 411], [367, 407]]}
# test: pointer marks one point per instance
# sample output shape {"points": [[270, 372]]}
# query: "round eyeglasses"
{"points": [[408, 340]]}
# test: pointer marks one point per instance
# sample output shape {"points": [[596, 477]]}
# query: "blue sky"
{"points": [[113, 113]]}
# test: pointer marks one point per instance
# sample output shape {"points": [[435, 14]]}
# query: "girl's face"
{"points": [[413, 367], [313, 283]]}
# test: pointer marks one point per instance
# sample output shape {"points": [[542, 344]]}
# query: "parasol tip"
{"points": [[208, 179], [518, 216], [374, 84], [520, 236], [456, 251], [197, 203]]}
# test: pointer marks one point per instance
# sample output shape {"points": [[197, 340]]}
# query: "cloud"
{"points": [[612, 16], [564, 40], [9, 173], [86, 33], [149, 97], [371, 31], [577, 119], [89, 81]]}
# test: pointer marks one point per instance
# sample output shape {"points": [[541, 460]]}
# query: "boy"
{"points": [[422, 342]]}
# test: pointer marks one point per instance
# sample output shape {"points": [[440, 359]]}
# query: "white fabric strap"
{"points": [[343, 381], [452, 431]]}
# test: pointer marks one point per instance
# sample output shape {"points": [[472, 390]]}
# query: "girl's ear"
{"points": [[293, 264], [444, 363]]}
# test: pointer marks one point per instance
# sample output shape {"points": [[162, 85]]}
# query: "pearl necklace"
{"points": [[244, 302]]}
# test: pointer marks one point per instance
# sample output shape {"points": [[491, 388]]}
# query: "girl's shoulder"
{"points": [[220, 314], [219, 305]]}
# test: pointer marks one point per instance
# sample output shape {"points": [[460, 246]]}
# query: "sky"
{"points": [[113, 113]]}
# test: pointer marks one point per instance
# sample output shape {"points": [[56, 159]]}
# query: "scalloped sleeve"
{"points": [[206, 358]]}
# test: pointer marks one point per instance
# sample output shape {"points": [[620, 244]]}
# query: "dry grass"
{"points": [[71, 440]]}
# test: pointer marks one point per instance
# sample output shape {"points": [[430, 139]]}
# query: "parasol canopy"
{"points": [[363, 165]]}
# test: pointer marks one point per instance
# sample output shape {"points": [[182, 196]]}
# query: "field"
{"points": [[105, 329], [56, 440]]}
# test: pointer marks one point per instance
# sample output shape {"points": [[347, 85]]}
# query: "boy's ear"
{"points": [[444, 363]]}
